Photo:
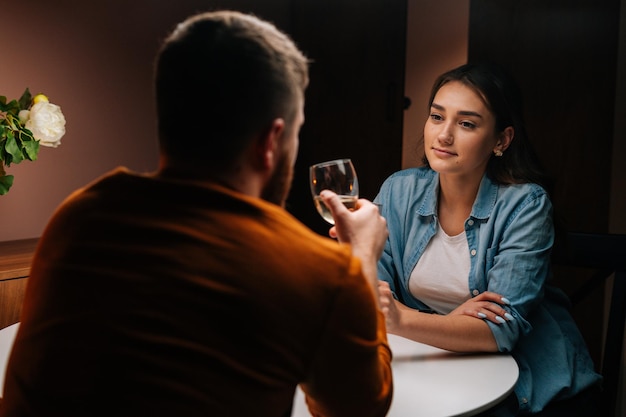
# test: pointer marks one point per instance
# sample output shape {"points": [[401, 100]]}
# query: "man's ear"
{"points": [[268, 144]]}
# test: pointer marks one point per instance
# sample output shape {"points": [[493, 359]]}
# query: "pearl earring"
{"points": [[497, 152]]}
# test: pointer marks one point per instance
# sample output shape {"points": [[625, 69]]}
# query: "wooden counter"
{"points": [[15, 259]]}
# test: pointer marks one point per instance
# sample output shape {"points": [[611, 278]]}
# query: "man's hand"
{"points": [[363, 228]]}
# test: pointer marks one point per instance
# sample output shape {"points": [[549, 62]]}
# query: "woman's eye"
{"points": [[468, 125], [436, 116]]}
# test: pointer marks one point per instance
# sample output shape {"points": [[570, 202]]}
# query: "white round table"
{"points": [[428, 382], [7, 336], [431, 382]]}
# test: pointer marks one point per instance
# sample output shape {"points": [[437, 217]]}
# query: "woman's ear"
{"points": [[506, 137]]}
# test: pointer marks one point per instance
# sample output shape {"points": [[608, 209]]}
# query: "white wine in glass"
{"points": [[338, 176]]}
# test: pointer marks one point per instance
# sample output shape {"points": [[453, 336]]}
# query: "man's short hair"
{"points": [[220, 77]]}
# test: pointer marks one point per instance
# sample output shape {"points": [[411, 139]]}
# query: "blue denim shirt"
{"points": [[509, 235]]}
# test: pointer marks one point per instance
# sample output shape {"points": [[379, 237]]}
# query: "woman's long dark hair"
{"points": [[519, 163]]}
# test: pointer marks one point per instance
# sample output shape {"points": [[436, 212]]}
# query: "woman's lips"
{"points": [[443, 153]]}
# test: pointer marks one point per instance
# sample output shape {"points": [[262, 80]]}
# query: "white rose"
{"points": [[23, 115], [47, 123]]}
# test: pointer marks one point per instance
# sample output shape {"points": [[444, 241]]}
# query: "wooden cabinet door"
{"points": [[15, 259], [11, 298]]}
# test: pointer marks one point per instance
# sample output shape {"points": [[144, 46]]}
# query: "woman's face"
{"points": [[459, 134]]}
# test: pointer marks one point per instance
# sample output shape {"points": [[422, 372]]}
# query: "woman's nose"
{"points": [[445, 135]]}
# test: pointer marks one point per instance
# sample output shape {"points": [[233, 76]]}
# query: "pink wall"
{"points": [[94, 59], [436, 42], [96, 64]]}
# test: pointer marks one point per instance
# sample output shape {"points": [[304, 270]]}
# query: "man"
{"points": [[192, 291]]}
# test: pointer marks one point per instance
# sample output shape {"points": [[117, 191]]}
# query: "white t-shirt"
{"points": [[440, 278]]}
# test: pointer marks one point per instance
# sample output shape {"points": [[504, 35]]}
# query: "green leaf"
{"points": [[12, 107], [6, 181], [26, 99], [30, 149], [13, 149], [4, 155]]}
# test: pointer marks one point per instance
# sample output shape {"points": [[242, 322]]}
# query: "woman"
{"points": [[470, 236]]}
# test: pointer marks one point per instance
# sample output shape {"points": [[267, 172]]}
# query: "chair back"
{"points": [[606, 254]]}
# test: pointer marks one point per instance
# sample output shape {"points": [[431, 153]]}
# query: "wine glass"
{"points": [[338, 176]]}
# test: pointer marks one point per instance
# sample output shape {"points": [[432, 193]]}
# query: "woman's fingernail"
{"points": [[505, 300], [508, 316], [481, 315], [500, 319]]}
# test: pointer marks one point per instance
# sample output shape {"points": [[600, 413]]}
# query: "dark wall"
{"points": [[354, 102], [564, 55], [98, 59]]}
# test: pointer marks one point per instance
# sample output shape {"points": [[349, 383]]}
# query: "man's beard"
{"points": [[277, 188]]}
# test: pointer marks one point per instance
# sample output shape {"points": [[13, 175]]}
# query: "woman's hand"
{"points": [[487, 305], [458, 331]]}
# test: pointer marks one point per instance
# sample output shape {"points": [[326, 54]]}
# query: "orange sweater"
{"points": [[150, 297]]}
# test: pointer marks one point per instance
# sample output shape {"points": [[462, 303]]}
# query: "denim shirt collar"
{"points": [[483, 206], [429, 204], [485, 199]]}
